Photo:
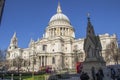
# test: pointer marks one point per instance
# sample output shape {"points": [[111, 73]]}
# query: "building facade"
{"points": [[58, 48]]}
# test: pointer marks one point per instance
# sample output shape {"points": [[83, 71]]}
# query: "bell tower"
{"points": [[14, 42]]}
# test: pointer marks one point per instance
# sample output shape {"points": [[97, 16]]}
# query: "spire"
{"points": [[14, 42], [90, 29], [14, 36], [31, 42], [59, 8], [88, 15], [89, 22]]}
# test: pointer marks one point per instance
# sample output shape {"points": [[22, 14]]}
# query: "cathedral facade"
{"points": [[58, 48]]}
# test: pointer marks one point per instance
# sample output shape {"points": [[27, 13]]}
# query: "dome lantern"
{"points": [[59, 9]]}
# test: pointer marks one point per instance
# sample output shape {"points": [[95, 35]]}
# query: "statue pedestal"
{"points": [[93, 62]]}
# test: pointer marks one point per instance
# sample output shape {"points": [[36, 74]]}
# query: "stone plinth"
{"points": [[92, 62]]}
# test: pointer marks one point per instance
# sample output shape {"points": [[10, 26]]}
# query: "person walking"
{"points": [[97, 76], [93, 73], [101, 74], [112, 73], [118, 74], [84, 76]]}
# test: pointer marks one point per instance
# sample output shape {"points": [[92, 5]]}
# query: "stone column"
{"points": [[62, 31], [48, 59], [65, 31], [53, 32], [59, 31], [68, 31], [50, 32], [41, 60], [44, 60]]}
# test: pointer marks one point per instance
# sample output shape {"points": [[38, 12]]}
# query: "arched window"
{"points": [[53, 60]]}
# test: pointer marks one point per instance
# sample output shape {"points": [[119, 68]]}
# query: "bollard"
{"points": [[12, 76], [44, 77], [20, 76], [2, 76]]}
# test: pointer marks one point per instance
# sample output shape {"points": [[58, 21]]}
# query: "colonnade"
{"points": [[43, 60], [60, 31]]}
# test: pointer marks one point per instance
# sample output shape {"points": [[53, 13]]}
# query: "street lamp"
{"points": [[12, 76]]}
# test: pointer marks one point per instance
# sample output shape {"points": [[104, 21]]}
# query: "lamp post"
{"points": [[20, 76], [3, 76], [12, 76]]}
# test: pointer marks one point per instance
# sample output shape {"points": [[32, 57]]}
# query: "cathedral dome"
{"points": [[59, 25], [59, 15]]}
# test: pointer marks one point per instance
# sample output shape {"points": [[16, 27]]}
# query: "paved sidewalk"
{"points": [[72, 78], [77, 77]]}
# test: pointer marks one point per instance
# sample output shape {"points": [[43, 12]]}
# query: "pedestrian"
{"points": [[97, 76], [101, 74], [93, 73], [118, 74], [81, 75], [84, 76], [113, 73]]}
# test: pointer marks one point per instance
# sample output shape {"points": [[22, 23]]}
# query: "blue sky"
{"points": [[29, 18]]}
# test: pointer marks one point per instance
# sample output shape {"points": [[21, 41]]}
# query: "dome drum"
{"points": [[59, 23]]}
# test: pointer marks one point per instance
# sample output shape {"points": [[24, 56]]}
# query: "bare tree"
{"points": [[1, 55], [2, 58], [8, 64], [112, 53], [1, 64], [18, 62], [26, 64]]}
